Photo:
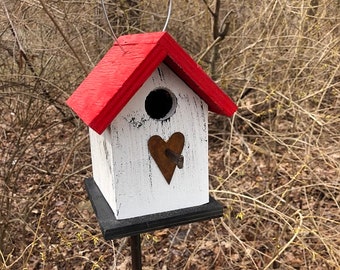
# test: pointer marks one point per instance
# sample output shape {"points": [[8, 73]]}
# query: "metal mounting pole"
{"points": [[132, 228], [136, 252]]}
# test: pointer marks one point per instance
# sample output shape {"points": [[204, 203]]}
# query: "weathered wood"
{"points": [[120, 74], [123, 167], [146, 103]]}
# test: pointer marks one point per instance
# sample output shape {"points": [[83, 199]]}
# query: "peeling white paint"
{"points": [[125, 172]]}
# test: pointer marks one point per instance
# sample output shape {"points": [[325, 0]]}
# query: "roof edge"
{"points": [[132, 59]]}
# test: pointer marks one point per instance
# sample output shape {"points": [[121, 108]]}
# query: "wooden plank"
{"points": [[112, 83], [113, 228], [126, 172]]}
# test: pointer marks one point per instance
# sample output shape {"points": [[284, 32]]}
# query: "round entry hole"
{"points": [[160, 104]]}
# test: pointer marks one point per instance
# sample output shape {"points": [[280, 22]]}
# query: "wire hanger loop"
{"points": [[109, 24], [168, 16]]}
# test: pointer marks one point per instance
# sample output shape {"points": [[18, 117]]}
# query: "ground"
{"points": [[274, 165]]}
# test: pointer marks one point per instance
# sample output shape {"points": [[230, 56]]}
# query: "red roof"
{"points": [[124, 69]]}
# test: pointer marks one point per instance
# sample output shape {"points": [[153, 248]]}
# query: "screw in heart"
{"points": [[167, 155]]}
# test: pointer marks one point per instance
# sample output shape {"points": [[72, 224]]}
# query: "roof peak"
{"points": [[120, 73]]}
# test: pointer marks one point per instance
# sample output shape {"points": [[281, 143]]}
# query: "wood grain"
{"points": [[120, 74]]}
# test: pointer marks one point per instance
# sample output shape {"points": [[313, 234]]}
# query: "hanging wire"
{"points": [[108, 22], [168, 16]]}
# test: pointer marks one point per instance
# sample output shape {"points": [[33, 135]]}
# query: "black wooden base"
{"points": [[113, 228]]}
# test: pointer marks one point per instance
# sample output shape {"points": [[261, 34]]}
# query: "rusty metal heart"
{"points": [[167, 155]]}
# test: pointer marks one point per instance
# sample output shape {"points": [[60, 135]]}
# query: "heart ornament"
{"points": [[167, 155]]}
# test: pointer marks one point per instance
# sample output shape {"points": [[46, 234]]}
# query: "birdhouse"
{"points": [[146, 103]]}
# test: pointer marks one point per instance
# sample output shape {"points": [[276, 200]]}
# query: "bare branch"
{"points": [[63, 35], [216, 19], [209, 9], [22, 52]]}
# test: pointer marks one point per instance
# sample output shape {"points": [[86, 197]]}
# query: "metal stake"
{"points": [[136, 252]]}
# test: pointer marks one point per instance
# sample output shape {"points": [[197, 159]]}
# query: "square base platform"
{"points": [[113, 228]]}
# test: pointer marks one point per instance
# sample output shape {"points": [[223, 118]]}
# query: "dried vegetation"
{"points": [[275, 165]]}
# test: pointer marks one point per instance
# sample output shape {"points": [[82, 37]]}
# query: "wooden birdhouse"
{"points": [[146, 103]]}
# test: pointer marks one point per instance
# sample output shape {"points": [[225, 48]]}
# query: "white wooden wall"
{"points": [[125, 172]]}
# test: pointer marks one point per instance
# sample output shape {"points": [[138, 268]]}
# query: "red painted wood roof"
{"points": [[124, 69]]}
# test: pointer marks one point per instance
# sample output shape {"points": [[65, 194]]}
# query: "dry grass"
{"points": [[275, 165]]}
